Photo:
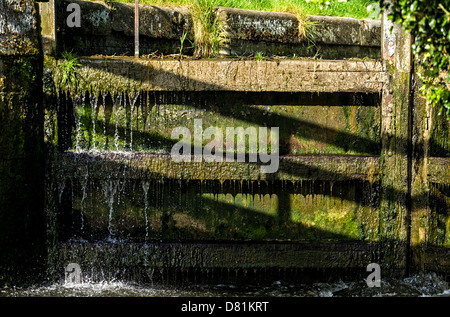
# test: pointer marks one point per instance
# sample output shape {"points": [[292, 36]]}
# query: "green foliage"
{"points": [[259, 56], [182, 39], [22, 73], [429, 23], [68, 66]]}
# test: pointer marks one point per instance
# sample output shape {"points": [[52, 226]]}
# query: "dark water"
{"points": [[423, 285]]}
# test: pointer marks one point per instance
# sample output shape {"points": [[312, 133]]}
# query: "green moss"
{"points": [[95, 81], [173, 215], [21, 73], [21, 165], [325, 217], [440, 135], [362, 134]]}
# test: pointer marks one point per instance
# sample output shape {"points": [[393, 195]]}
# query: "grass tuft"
{"points": [[208, 30]]}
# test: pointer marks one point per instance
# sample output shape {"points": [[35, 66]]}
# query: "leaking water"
{"points": [[94, 104], [133, 100], [145, 187], [130, 202], [117, 107], [83, 198], [111, 192]]}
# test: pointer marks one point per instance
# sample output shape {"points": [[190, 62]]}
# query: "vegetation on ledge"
{"points": [[344, 8]]}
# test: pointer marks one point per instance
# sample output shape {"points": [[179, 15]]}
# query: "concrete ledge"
{"points": [[154, 22], [333, 37], [109, 28], [346, 31], [139, 165], [259, 25], [284, 28], [100, 19]]}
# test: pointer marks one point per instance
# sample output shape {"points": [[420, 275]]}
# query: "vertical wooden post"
{"points": [[421, 126], [136, 28], [47, 15], [396, 148], [22, 218]]}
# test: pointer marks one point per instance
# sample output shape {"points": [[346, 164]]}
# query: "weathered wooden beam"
{"points": [[140, 165], [223, 255], [437, 259], [420, 168], [48, 27], [22, 161], [109, 74]]}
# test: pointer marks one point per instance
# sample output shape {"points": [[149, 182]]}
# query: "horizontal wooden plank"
{"points": [[141, 165], [225, 255], [109, 74], [437, 259]]}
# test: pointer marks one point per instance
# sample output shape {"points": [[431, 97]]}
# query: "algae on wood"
{"points": [[22, 223], [395, 156]]}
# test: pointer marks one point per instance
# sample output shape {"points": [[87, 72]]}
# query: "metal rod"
{"points": [[136, 28]]}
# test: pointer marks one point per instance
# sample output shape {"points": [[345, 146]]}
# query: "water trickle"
{"points": [[77, 104], [145, 109], [133, 97], [180, 193], [112, 190], [145, 187], [150, 273], [105, 132], [61, 187], [312, 189], [152, 118], [94, 104], [161, 185], [83, 198], [116, 106], [161, 273]]}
